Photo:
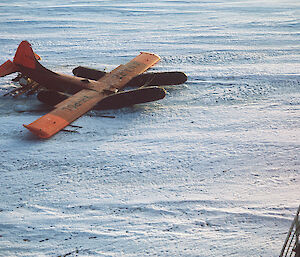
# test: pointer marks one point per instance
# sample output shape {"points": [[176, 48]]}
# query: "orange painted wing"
{"points": [[80, 103]]}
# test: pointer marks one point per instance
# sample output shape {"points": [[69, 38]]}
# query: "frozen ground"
{"points": [[211, 170]]}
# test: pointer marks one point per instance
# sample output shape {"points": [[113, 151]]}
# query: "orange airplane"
{"points": [[90, 92]]}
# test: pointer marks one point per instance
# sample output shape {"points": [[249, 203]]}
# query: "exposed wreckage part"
{"points": [[27, 86]]}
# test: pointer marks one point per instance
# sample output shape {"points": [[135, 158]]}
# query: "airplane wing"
{"points": [[80, 103], [150, 79]]}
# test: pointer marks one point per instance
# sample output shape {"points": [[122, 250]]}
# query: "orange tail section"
{"points": [[8, 68], [25, 56]]}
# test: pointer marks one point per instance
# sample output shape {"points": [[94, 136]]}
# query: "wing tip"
{"points": [[37, 131], [47, 125], [155, 55]]}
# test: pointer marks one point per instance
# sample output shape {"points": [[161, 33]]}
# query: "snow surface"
{"points": [[211, 170]]}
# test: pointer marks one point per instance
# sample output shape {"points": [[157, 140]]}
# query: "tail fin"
{"points": [[25, 56], [8, 68]]}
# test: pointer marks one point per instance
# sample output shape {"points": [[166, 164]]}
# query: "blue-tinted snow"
{"points": [[211, 170]]}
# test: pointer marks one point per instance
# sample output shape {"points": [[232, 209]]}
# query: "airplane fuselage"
{"points": [[58, 82]]}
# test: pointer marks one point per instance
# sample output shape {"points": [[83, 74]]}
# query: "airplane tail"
{"points": [[27, 62], [25, 56]]}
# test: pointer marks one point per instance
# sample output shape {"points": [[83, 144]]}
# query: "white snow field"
{"points": [[211, 170]]}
